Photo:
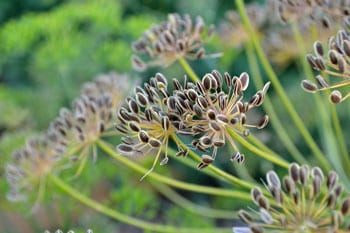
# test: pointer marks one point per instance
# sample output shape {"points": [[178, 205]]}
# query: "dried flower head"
{"points": [[30, 166], [179, 37], [206, 111], [333, 61], [323, 11], [210, 108], [304, 201], [232, 30], [72, 132], [146, 121]]}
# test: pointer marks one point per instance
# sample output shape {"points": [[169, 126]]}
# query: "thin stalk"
{"points": [[192, 207], [221, 173], [268, 106], [326, 122], [175, 183], [274, 158], [193, 76], [279, 89], [113, 213]]}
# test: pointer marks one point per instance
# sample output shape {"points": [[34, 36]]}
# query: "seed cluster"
{"points": [[232, 30], [308, 202], [72, 132], [323, 11], [179, 37], [206, 110], [333, 61]]}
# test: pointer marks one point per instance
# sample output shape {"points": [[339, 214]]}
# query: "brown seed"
{"points": [[207, 159], [311, 60], [154, 142], [202, 102], [289, 184], [134, 126], [206, 81], [245, 216], [316, 184], [263, 122], [332, 179], [335, 97], [244, 78], [318, 48], [273, 179], [294, 172], [322, 81], [143, 136], [309, 86], [211, 114], [331, 200], [214, 126], [141, 99], [165, 122], [345, 207], [205, 141], [332, 56]]}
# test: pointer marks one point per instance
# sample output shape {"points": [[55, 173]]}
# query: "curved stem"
{"points": [[268, 106], [190, 206], [193, 76], [175, 183], [119, 216], [279, 89]]}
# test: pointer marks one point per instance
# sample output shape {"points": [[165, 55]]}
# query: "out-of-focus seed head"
{"points": [[334, 62], [178, 37], [292, 208]]}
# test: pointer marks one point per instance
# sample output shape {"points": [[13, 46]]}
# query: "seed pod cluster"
{"points": [[305, 200], [177, 37], [333, 61], [207, 111], [73, 131]]}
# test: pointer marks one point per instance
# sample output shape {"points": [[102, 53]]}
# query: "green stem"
{"points": [[190, 206], [119, 216], [268, 106], [278, 87], [275, 158], [193, 76], [175, 183]]}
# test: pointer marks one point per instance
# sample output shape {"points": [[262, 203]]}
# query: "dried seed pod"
{"points": [[335, 97], [309, 86]]}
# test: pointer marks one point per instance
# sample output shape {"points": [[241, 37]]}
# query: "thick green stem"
{"points": [[192, 207], [279, 89], [175, 183], [193, 76], [113, 213]]}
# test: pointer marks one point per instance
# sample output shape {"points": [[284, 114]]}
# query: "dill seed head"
{"points": [[306, 201], [216, 109], [232, 31], [325, 12], [334, 62], [73, 131], [178, 37], [148, 120], [29, 166]]}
